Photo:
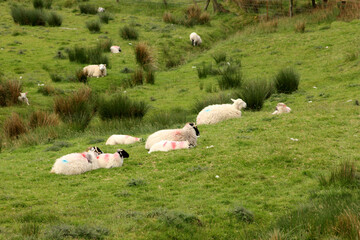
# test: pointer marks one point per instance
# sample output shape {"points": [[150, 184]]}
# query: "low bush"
{"points": [[169, 117], [205, 69], [105, 45], [14, 126], [128, 33], [87, 9], [42, 119], [287, 80], [26, 16], [47, 90], [93, 26], [105, 17], [231, 77]]}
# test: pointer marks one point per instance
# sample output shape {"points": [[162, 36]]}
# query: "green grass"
{"points": [[262, 172]]}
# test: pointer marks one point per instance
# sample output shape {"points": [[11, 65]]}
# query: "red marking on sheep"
{"points": [[173, 145], [181, 144], [84, 155], [177, 132], [164, 143]]}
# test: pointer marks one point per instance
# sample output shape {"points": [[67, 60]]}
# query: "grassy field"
{"points": [[268, 186]]}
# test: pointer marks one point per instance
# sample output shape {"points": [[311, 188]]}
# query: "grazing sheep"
{"points": [[115, 49], [121, 139], [281, 108], [23, 98], [100, 10], [220, 112], [188, 133], [165, 146], [195, 39], [77, 163], [95, 70]]}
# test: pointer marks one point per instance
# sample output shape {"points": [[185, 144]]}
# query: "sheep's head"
{"points": [[239, 103], [102, 67], [23, 95], [122, 153], [95, 149], [193, 126]]}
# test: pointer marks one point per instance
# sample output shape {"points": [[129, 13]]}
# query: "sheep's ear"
{"points": [[99, 150], [233, 100], [105, 65]]}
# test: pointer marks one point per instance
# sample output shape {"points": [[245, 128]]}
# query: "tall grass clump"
{"points": [[230, 77], [169, 117], [9, 92], [64, 231], [54, 20], [47, 4], [93, 26], [105, 17], [42, 119], [105, 45], [143, 55], [345, 175], [137, 78], [38, 4], [56, 77], [150, 76], [300, 27], [76, 109], [120, 106], [91, 55], [81, 76], [219, 57], [205, 69], [87, 9], [216, 99], [287, 80], [168, 18], [254, 93], [348, 225], [193, 14], [27, 16], [14, 126], [46, 90], [128, 33]]}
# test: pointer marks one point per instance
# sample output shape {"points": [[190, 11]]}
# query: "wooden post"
{"points": [[291, 8], [267, 10]]}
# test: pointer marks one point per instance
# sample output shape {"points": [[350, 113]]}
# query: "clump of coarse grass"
{"points": [[14, 126], [105, 17], [300, 27], [136, 183], [230, 77], [347, 225], [179, 219], [26, 16], [54, 20], [204, 70], [87, 9], [168, 18], [150, 76], [76, 109], [219, 57], [30, 229], [56, 77], [254, 93], [204, 18], [144, 55], [269, 26], [120, 106], [345, 175], [9, 92], [169, 117], [172, 59], [81, 76], [42, 119], [287, 80], [204, 102], [94, 26], [47, 4], [64, 231], [46, 90], [38, 4], [91, 55], [192, 14], [128, 33], [349, 57], [242, 214], [137, 77]]}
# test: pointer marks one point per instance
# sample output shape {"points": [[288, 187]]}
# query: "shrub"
{"points": [[120, 106], [287, 80], [231, 77], [219, 57], [143, 55], [150, 77], [300, 27], [104, 45], [128, 33], [87, 9], [93, 26], [56, 77], [137, 77], [202, 103], [38, 4], [254, 93], [14, 126], [81, 76], [42, 119], [54, 20], [76, 109], [105, 17], [25, 16]]}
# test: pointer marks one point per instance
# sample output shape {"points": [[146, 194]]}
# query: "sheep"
{"points": [[188, 133], [100, 10], [165, 146], [281, 108], [23, 98], [121, 139], [115, 49], [195, 39], [95, 70], [77, 163], [220, 112]]}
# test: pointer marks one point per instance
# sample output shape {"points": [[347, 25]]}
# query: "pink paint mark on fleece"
{"points": [[84, 155], [164, 143], [106, 158], [126, 136], [177, 132], [137, 139], [173, 145], [181, 144]]}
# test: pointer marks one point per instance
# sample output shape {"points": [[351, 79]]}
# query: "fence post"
{"points": [[291, 8], [267, 10]]}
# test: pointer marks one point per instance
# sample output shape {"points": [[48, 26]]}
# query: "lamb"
{"points": [[281, 108], [220, 112], [195, 39], [188, 133], [165, 146], [122, 139], [23, 98], [100, 10], [115, 49], [77, 163], [95, 70]]}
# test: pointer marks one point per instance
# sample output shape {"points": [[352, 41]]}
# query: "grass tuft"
{"points": [[136, 183], [137, 77], [128, 33], [26, 16], [87, 9], [56, 77], [64, 231], [300, 27], [169, 117], [54, 20], [105, 17], [38, 4], [143, 55], [150, 76], [94, 26], [81, 76], [42, 119], [219, 57], [254, 93], [9, 92], [345, 175], [90, 55], [287, 80], [14, 126], [30, 229], [231, 77], [242, 214]]}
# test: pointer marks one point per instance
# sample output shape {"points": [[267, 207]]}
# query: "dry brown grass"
{"points": [[269, 26], [193, 12], [348, 225], [14, 126], [42, 119], [204, 18], [300, 27], [46, 90], [137, 77], [9, 92], [150, 77], [143, 55], [168, 18], [349, 11]]}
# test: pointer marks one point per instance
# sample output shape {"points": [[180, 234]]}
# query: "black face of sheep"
{"points": [[192, 42], [95, 149], [195, 128], [123, 153]]}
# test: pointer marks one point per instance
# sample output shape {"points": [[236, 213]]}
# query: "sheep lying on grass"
{"points": [[100, 10], [220, 112], [195, 39], [95, 70], [23, 98], [165, 146], [122, 139], [77, 163], [115, 49], [281, 108], [188, 133]]}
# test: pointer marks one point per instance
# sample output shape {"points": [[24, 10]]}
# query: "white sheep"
{"points": [[165, 146], [122, 139], [77, 163], [220, 112], [188, 133], [95, 70], [195, 39], [281, 108], [23, 98], [115, 49], [100, 10]]}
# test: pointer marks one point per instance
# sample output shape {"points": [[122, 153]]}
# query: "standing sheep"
{"points": [[195, 39], [95, 70], [100, 10], [115, 49], [122, 139], [281, 108], [165, 146], [23, 98], [188, 133], [220, 112]]}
